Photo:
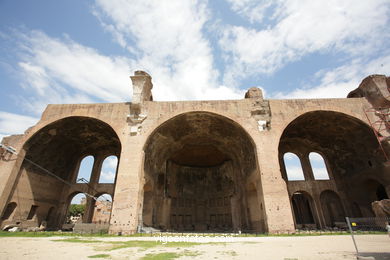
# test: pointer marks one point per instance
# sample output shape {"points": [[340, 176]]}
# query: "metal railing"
{"points": [[377, 242]]}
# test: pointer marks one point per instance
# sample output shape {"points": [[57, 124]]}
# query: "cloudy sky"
{"points": [[84, 51]]}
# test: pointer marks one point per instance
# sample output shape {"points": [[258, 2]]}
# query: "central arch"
{"points": [[196, 173]]}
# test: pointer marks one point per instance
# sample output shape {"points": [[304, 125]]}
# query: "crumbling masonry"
{"points": [[203, 165]]}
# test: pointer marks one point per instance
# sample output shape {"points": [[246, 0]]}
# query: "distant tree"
{"points": [[76, 210]]}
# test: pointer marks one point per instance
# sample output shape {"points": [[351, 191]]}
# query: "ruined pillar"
{"points": [[166, 212], [128, 191], [236, 212], [96, 169], [319, 217], [306, 167], [10, 167], [89, 209], [276, 200], [259, 192], [127, 205]]}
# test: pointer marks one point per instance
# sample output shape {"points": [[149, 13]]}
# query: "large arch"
{"points": [[196, 169], [350, 150], [303, 209], [332, 208], [374, 190], [52, 158]]}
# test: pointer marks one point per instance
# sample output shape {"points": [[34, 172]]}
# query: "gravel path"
{"points": [[284, 248]]}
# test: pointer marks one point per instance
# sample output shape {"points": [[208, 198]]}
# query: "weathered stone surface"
{"points": [[199, 165], [142, 87], [381, 208], [375, 88], [254, 93]]}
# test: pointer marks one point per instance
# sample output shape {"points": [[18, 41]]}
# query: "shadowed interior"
{"points": [[58, 148], [197, 165], [352, 157]]}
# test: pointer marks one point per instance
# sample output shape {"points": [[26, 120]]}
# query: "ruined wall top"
{"points": [[254, 92], [375, 88], [142, 87]]}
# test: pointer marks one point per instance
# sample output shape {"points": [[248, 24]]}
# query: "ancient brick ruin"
{"points": [[203, 165]]}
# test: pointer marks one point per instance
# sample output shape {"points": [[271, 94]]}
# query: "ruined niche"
{"points": [[199, 171], [375, 88], [201, 197], [142, 91], [254, 92]]}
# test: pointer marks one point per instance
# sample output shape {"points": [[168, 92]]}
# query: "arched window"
{"points": [[293, 167], [108, 172], [301, 202], [76, 208], [9, 210], [33, 212], [332, 208], [318, 166], [102, 210], [85, 169]]}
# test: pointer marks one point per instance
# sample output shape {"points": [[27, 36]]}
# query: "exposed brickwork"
{"points": [[241, 142]]}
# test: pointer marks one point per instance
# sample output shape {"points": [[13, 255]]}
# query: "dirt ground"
{"points": [[284, 248]]}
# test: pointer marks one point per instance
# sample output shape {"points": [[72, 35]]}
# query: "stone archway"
{"points": [[302, 204], [52, 159], [350, 152], [332, 208], [198, 164]]}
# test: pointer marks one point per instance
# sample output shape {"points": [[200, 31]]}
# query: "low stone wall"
{"points": [[90, 228]]}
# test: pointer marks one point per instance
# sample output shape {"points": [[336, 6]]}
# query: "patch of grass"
{"points": [[314, 233], [230, 253], [99, 256], [51, 234], [148, 244], [135, 243], [161, 256], [71, 234], [77, 240], [190, 253], [180, 244]]}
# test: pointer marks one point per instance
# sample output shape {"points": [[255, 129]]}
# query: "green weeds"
{"points": [[99, 256]]}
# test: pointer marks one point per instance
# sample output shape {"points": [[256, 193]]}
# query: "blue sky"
{"points": [[84, 51], [107, 174], [294, 168]]}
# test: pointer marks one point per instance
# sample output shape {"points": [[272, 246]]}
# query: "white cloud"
{"points": [[11, 123], [320, 173], [167, 39], [111, 163], [108, 172], [63, 71], [105, 197], [78, 198], [318, 166], [294, 173], [290, 157], [316, 157], [293, 167], [253, 10], [303, 27], [338, 82], [107, 176]]}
